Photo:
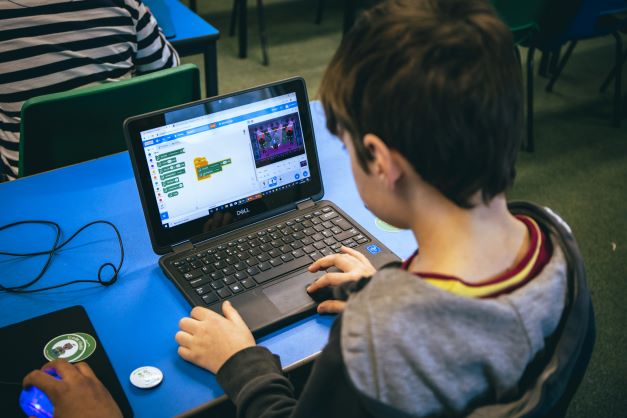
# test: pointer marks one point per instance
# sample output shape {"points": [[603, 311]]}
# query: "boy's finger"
{"points": [[43, 381], [199, 313], [231, 314], [64, 369], [183, 339], [330, 279], [185, 353], [85, 370], [355, 253], [324, 262], [189, 325], [332, 306]]}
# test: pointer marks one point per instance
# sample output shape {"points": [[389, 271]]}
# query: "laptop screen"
{"points": [[212, 164], [225, 159]]}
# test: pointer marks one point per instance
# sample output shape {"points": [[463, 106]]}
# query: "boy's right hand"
{"points": [[352, 264]]}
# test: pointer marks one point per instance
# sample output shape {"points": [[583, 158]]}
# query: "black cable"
{"points": [[56, 247]]}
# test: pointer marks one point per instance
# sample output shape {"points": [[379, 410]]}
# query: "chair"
{"points": [[592, 19], [522, 17], [70, 127]]}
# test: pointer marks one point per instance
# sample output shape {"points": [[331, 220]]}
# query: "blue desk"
{"points": [[136, 318], [193, 35]]}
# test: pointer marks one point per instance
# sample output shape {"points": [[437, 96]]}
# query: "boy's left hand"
{"points": [[208, 339]]}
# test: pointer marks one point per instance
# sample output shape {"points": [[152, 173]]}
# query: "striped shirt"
{"points": [[531, 264], [49, 46]]}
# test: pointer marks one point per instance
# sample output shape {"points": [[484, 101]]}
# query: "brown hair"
{"points": [[437, 80]]}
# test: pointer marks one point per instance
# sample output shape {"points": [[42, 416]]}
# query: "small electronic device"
{"points": [[35, 403], [231, 191]]}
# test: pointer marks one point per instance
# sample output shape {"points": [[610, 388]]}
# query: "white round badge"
{"points": [[146, 377]]}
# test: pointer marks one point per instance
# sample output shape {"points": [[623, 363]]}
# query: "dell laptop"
{"points": [[231, 192]]}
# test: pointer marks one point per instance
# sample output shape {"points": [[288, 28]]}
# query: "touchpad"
{"points": [[290, 295]]}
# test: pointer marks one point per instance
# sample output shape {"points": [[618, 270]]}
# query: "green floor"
{"points": [[579, 167]]}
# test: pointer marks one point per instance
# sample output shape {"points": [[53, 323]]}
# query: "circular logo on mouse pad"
{"points": [[71, 347]]}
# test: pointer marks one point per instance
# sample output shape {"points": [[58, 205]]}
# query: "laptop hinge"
{"points": [[183, 246], [307, 203]]}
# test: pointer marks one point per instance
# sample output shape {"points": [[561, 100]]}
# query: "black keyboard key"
{"points": [[296, 244], [307, 224], [327, 234], [327, 224], [263, 257], [319, 245], [216, 275], [264, 266], [265, 239], [208, 269], [318, 237], [298, 253], [315, 256], [287, 257], [346, 234], [329, 241], [276, 243], [218, 284], [236, 288], [276, 262], [224, 293], [220, 255], [342, 223], [252, 270], [309, 249], [194, 274], [203, 289], [329, 215], [221, 247], [254, 243], [298, 235], [252, 262], [248, 283], [347, 241], [254, 252], [179, 263], [352, 245], [307, 241], [282, 269], [243, 247], [319, 228], [266, 247], [326, 209], [336, 230], [287, 239], [240, 266], [326, 251], [229, 279], [309, 231], [361, 241], [274, 253], [317, 213], [184, 269], [219, 265], [242, 256], [196, 264], [228, 270], [190, 258], [241, 275], [210, 298], [199, 282], [308, 216], [231, 260]]}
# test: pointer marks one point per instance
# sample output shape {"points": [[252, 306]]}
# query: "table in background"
{"points": [[193, 35], [137, 317]]}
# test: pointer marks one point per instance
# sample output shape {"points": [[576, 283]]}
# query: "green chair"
{"points": [[70, 127], [523, 19]]}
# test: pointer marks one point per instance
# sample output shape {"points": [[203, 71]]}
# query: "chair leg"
{"points": [[560, 67], [233, 23], [618, 78], [611, 75], [262, 32], [554, 61], [319, 10], [530, 146]]}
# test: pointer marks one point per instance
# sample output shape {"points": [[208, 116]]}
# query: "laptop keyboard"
{"points": [[221, 271]]}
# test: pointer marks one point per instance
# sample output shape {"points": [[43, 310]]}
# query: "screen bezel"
{"points": [[162, 238]]}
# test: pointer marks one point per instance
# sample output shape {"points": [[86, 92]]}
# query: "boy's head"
{"points": [[436, 82]]}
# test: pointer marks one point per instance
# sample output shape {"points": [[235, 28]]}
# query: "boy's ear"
{"points": [[384, 164]]}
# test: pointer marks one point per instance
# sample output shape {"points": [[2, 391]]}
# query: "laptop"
{"points": [[231, 192]]}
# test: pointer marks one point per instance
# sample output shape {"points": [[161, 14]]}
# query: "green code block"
{"points": [[170, 154], [170, 181], [171, 188], [166, 162], [172, 174], [171, 167], [173, 194]]}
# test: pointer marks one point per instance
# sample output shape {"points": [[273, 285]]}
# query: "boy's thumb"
{"points": [[231, 313]]}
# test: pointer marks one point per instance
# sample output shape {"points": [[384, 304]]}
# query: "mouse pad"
{"points": [[67, 333]]}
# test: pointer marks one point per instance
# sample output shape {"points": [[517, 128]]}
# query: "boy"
{"points": [[426, 95]]}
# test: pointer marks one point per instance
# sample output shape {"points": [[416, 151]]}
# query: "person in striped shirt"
{"points": [[49, 46]]}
